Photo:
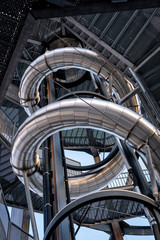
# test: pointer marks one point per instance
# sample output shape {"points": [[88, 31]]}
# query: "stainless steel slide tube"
{"points": [[64, 58], [71, 113]]}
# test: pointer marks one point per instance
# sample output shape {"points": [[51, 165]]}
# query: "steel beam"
{"points": [[94, 20], [140, 32], [147, 59], [135, 230], [94, 49], [125, 28], [26, 221], [101, 42], [121, 149], [47, 184], [109, 24], [136, 170], [21, 218], [151, 173], [129, 95], [94, 7], [151, 71]]}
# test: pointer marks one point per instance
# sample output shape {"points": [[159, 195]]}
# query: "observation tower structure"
{"points": [[79, 122]]}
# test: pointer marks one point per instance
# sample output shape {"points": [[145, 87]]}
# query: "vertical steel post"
{"points": [[58, 174], [47, 185], [136, 176], [67, 190], [47, 178], [136, 170], [151, 172], [122, 153], [30, 207], [60, 194]]}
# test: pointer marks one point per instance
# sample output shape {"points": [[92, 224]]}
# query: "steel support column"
{"points": [[151, 172], [94, 8], [101, 42], [67, 190], [58, 175], [136, 170], [139, 181], [60, 195]]}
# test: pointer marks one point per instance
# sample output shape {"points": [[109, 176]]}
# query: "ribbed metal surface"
{"points": [[66, 117], [66, 58], [74, 112]]}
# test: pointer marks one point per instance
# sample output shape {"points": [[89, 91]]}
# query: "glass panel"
{"points": [[4, 217], [17, 234]]}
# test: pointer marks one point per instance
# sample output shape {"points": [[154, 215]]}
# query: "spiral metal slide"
{"points": [[73, 113]]}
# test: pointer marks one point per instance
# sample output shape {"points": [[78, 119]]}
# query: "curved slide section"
{"points": [[70, 113], [98, 197], [64, 58]]}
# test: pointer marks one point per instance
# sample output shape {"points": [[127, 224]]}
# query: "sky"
{"points": [[90, 234]]}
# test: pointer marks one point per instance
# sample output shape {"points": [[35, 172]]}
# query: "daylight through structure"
{"points": [[80, 116]]}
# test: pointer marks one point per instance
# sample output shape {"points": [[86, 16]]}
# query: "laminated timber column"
{"points": [[117, 233], [92, 143]]}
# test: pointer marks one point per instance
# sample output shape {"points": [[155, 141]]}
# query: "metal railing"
{"points": [[7, 128], [123, 179]]}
